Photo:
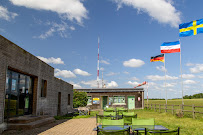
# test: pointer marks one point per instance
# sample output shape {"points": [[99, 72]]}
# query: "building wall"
{"points": [[138, 104], [17, 59]]}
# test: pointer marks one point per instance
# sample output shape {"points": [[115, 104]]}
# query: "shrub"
{"points": [[79, 99]]}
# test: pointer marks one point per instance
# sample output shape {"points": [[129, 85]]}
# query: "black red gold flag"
{"points": [[157, 58]]}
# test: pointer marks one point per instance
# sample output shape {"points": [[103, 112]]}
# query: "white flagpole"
{"points": [[147, 94], [181, 73], [98, 66], [165, 76]]}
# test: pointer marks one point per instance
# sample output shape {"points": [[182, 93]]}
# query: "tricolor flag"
{"points": [[170, 47], [191, 28], [157, 58]]}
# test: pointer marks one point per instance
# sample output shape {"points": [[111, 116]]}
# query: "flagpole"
{"points": [[165, 76], [147, 94], [181, 74]]}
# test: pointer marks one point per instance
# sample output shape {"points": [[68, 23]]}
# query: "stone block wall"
{"points": [[15, 58]]}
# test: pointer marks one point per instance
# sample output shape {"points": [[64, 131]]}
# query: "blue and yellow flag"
{"points": [[191, 28]]}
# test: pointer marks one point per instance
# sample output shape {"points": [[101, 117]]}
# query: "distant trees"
{"points": [[200, 95], [79, 99]]}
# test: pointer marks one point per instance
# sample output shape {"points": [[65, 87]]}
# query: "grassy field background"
{"points": [[188, 126], [196, 102]]}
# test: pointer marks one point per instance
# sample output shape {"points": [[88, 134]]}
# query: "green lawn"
{"points": [[177, 101], [196, 102], [188, 126]]}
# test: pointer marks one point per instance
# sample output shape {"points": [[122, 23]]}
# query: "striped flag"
{"points": [[170, 47], [141, 84], [157, 58]]}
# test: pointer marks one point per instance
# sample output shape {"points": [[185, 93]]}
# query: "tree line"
{"points": [[200, 95]]}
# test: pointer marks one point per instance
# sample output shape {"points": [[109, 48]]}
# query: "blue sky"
{"points": [[64, 34]]}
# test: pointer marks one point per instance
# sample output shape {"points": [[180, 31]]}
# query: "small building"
{"points": [[131, 98], [28, 85]]}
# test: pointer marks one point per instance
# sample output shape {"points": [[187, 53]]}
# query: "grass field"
{"points": [[196, 102], [188, 126]]}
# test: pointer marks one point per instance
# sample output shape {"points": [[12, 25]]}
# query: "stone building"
{"points": [[131, 98], [28, 85]]}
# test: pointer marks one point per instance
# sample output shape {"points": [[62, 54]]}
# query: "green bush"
{"points": [[79, 99]]}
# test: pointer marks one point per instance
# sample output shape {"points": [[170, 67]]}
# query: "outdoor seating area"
{"points": [[121, 121]]}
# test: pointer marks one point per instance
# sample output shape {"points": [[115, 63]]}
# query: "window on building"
{"points": [[68, 99], [89, 101], [110, 100], [119, 99], [44, 88]]}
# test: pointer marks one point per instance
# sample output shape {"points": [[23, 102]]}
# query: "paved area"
{"points": [[83, 126]]}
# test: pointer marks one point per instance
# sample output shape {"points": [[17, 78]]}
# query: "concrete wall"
{"points": [[17, 59]]}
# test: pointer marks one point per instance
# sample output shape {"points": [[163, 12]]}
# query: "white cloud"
{"points": [[81, 72], [190, 64], [189, 82], [67, 9], [51, 60], [197, 69], [6, 15], [61, 29], [112, 74], [161, 10], [92, 83], [112, 84], [102, 69], [135, 78], [200, 76], [64, 73], [170, 84], [72, 28], [104, 62], [172, 90], [133, 84], [158, 78], [125, 72], [151, 84], [161, 68], [188, 76], [133, 63], [75, 85]]}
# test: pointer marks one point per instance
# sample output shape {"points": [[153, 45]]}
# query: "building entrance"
{"points": [[19, 94]]}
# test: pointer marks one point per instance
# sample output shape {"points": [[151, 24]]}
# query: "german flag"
{"points": [[157, 58]]}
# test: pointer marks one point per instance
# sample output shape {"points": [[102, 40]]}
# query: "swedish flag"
{"points": [[191, 28]]}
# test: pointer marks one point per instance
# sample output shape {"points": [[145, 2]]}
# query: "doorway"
{"points": [[59, 104], [19, 94], [104, 101], [131, 102]]}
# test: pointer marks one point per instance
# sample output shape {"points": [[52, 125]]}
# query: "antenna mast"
{"points": [[98, 66], [102, 80]]}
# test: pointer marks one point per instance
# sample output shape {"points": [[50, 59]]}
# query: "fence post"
{"points": [[151, 106], [165, 107], [155, 107], [159, 108], [172, 109], [193, 111]]}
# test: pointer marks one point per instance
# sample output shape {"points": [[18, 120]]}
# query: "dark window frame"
{"points": [[43, 88], [68, 99]]}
